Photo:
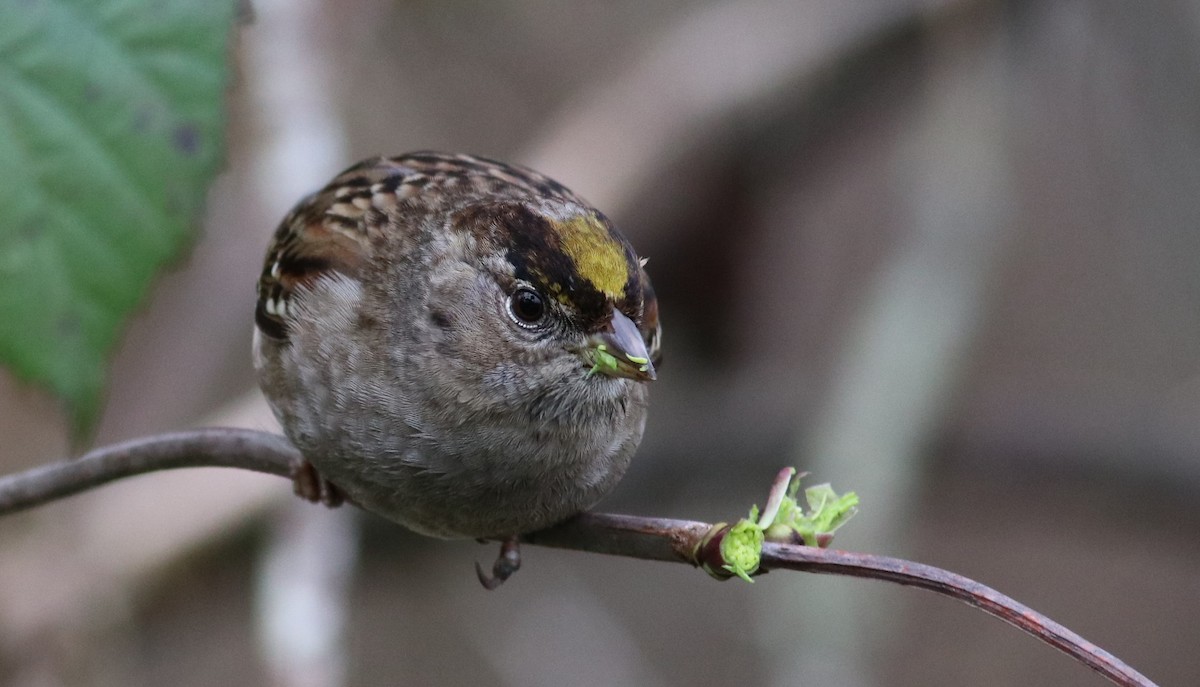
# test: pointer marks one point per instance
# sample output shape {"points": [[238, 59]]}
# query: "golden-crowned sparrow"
{"points": [[456, 343]]}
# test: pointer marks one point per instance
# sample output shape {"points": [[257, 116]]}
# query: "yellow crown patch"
{"points": [[598, 257]]}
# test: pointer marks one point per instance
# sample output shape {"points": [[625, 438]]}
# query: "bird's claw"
{"points": [[507, 563], [311, 486]]}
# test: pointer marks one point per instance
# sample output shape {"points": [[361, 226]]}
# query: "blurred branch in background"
{"points": [[307, 568], [670, 102]]}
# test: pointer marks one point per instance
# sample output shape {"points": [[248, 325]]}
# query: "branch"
{"points": [[657, 539], [199, 448]]}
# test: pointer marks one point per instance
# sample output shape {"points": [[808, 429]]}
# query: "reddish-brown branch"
{"points": [[620, 535], [990, 601]]}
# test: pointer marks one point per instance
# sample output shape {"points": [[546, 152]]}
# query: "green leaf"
{"points": [[111, 127], [827, 512]]}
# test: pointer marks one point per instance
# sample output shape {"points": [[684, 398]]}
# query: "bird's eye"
{"points": [[527, 306]]}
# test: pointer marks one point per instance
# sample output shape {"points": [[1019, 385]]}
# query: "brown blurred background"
{"points": [[943, 253]]}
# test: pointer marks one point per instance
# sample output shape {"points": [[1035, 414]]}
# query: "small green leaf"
{"points": [[111, 128], [827, 511]]}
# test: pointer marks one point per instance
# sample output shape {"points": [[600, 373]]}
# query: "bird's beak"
{"points": [[618, 351]]}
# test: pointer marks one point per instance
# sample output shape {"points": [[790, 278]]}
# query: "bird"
{"points": [[457, 344]]}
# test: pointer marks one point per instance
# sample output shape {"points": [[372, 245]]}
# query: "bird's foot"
{"points": [[311, 486], [507, 563]]}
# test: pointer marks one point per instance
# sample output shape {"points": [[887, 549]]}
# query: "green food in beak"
{"points": [[618, 351]]}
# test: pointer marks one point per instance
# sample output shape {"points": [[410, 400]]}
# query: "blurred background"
{"points": [[941, 253]]}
